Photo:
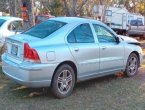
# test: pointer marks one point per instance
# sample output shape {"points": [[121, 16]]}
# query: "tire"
{"points": [[63, 81], [132, 65]]}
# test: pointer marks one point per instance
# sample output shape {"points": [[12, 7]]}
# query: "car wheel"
{"points": [[63, 81], [132, 65]]}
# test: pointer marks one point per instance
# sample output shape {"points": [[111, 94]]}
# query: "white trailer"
{"points": [[117, 18], [1, 13]]}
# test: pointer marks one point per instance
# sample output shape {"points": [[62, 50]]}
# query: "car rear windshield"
{"points": [[136, 23], [45, 28], [1, 22]]}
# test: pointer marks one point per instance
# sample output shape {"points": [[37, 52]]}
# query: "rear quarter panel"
{"points": [[54, 53], [53, 49]]}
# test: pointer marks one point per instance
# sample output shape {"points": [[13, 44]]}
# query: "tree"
{"points": [[30, 10], [74, 7], [3, 5], [13, 7], [55, 7]]}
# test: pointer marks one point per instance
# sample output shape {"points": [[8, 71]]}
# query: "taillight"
{"points": [[30, 54]]}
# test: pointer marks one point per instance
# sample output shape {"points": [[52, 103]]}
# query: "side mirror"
{"points": [[117, 40]]}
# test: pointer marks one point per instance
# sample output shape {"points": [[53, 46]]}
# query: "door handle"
{"points": [[76, 49]]}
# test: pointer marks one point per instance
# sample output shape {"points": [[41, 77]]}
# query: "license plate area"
{"points": [[14, 50]]}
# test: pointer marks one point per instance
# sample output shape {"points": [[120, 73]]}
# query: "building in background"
{"points": [[118, 18]]}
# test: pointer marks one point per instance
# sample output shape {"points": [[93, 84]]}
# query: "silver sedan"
{"points": [[65, 50]]}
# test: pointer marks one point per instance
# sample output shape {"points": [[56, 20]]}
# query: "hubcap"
{"points": [[64, 81], [132, 65]]}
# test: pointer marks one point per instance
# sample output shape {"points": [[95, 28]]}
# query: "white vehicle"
{"points": [[117, 18], [9, 26]]}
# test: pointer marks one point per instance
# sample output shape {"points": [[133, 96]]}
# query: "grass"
{"points": [[106, 93]]}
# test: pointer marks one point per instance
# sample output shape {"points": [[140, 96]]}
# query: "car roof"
{"points": [[71, 20], [10, 18], [74, 19]]}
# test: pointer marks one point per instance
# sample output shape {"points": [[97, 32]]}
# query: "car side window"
{"points": [[16, 26], [71, 38], [104, 35], [140, 23], [81, 34]]}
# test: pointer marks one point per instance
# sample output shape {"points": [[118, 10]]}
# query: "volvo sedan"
{"points": [[62, 51]]}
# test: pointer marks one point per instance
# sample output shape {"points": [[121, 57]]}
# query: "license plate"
{"points": [[14, 50]]}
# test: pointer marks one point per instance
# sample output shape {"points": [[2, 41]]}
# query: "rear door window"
{"points": [[81, 34]]}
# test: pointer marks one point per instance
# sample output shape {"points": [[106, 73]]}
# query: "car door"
{"points": [[111, 52], [84, 50]]}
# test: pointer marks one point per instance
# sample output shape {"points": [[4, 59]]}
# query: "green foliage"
{"points": [[141, 8], [3, 5], [56, 8]]}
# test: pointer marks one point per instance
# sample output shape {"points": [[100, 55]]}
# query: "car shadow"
{"points": [[99, 80], [24, 92]]}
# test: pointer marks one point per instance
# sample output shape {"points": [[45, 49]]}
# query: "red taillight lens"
{"points": [[30, 53]]}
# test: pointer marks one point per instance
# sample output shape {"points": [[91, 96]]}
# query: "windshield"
{"points": [[45, 28], [2, 22]]}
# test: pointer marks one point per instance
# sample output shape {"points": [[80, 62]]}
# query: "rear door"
{"points": [[84, 50], [111, 52]]}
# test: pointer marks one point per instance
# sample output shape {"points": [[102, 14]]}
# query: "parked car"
{"points": [[62, 51], [9, 26], [136, 28]]}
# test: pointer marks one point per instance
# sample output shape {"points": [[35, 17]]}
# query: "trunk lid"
{"points": [[15, 47]]}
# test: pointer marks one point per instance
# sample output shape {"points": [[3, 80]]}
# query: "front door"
{"points": [[111, 52]]}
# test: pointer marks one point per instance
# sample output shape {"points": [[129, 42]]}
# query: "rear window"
{"points": [[2, 22], [136, 23], [45, 28], [133, 23]]}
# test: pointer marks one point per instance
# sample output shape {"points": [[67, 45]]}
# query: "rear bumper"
{"points": [[134, 32], [30, 75]]}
